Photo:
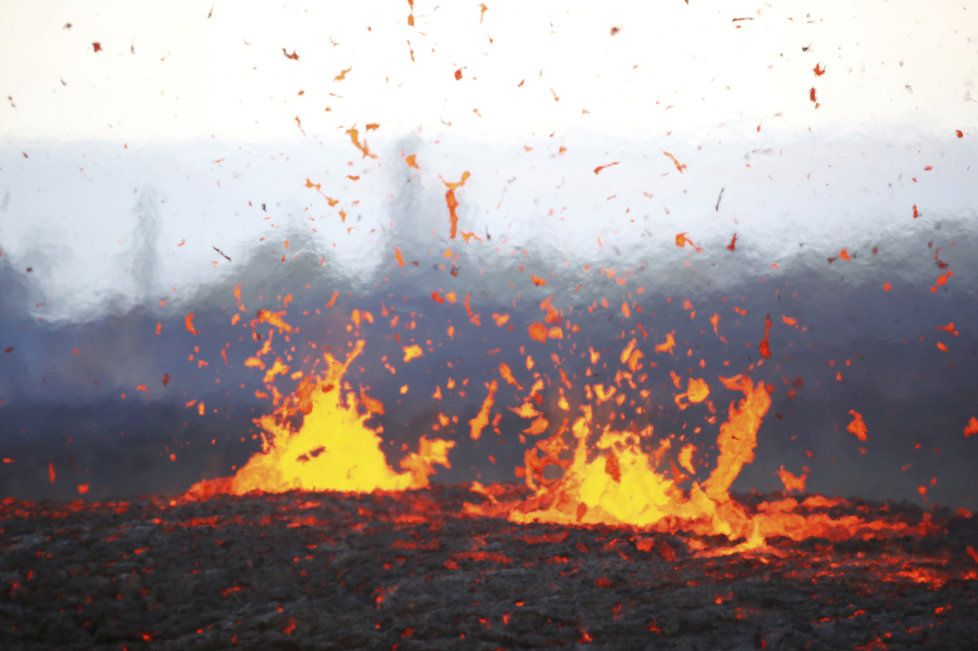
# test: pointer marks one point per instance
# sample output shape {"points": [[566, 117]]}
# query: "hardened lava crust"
{"points": [[411, 571]]}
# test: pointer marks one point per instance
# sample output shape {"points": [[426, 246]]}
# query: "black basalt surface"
{"points": [[409, 572]]}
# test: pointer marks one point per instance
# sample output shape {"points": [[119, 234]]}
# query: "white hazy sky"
{"points": [[672, 67], [208, 108]]}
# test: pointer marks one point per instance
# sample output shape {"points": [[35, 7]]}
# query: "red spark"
{"points": [[970, 430], [600, 168], [675, 161], [858, 426], [188, 323], [765, 346]]}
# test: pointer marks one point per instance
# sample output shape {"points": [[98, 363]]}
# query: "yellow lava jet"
{"points": [[332, 450]]}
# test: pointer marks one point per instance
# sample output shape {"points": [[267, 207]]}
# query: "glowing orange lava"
{"points": [[615, 481], [332, 449]]}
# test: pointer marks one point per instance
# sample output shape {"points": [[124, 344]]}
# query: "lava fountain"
{"points": [[332, 450]]}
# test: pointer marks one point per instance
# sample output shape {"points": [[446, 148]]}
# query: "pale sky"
{"points": [[672, 67], [201, 114]]}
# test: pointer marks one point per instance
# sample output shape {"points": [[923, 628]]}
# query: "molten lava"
{"points": [[612, 480], [615, 481], [333, 449], [317, 439]]}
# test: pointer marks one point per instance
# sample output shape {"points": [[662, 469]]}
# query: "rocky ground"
{"points": [[406, 572]]}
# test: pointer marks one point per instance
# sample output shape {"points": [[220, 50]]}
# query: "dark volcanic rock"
{"points": [[377, 571]]}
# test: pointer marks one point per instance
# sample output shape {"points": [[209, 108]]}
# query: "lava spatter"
{"points": [[332, 449]]}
